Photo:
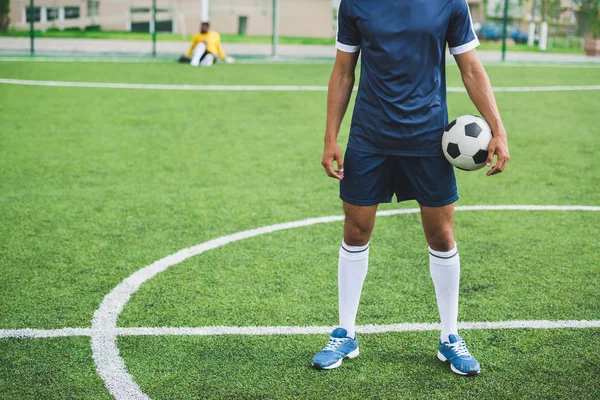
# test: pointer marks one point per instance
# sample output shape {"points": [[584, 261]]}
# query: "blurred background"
{"points": [[260, 27]]}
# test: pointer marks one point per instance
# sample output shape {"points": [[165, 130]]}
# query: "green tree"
{"points": [[589, 17], [551, 10], [4, 15]]}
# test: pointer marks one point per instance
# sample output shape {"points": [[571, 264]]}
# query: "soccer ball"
{"points": [[465, 142]]}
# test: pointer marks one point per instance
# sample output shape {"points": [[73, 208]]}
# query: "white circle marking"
{"points": [[104, 332]]}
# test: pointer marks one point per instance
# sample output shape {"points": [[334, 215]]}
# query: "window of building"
{"points": [[139, 10], [71, 12], [37, 14], [92, 8], [52, 13]]}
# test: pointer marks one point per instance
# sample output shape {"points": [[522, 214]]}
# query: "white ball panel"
{"points": [[445, 140], [464, 162], [465, 120], [456, 133], [484, 139], [468, 146]]}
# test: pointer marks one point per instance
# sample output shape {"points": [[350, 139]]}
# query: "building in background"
{"points": [[307, 18]]}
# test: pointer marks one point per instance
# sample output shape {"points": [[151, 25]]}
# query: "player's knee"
{"points": [[357, 234], [443, 240]]}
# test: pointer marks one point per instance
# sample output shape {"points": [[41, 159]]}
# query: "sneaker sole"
{"points": [[352, 354], [441, 357]]}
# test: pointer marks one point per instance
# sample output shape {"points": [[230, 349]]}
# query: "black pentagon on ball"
{"points": [[453, 150], [473, 129], [480, 156], [450, 125]]}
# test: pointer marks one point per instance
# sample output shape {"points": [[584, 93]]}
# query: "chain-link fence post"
{"points": [[31, 27], [504, 30], [153, 28], [275, 27]]}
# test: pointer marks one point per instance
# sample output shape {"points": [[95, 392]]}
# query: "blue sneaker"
{"points": [[339, 347], [457, 354]]}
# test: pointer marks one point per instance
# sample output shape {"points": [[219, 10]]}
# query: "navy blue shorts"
{"points": [[371, 179]]}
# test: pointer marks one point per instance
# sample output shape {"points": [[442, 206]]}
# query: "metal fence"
{"points": [[158, 27], [162, 28]]}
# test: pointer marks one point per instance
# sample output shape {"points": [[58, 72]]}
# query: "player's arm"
{"points": [[341, 84], [479, 88], [194, 43], [222, 54]]}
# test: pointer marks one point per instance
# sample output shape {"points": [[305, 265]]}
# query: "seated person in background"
{"points": [[206, 45]]}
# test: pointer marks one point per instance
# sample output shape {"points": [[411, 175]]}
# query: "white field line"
{"points": [[109, 364], [147, 60], [143, 86], [537, 89], [94, 60], [44, 333], [362, 329], [291, 330], [258, 88]]}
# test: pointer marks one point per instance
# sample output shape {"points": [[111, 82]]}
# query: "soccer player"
{"points": [[205, 46], [395, 146]]}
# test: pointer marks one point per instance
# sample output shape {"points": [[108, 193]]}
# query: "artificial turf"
{"points": [[97, 183]]}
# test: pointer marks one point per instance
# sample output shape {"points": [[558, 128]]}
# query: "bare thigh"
{"points": [[358, 224], [438, 226]]}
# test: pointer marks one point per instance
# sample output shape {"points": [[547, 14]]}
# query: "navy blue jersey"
{"points": [[401, 103]]}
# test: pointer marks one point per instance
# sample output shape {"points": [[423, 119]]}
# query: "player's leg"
{"points": [[198, 53], [444, 264], [353, 261], [366, 183], [207, 60], [432, 183]]}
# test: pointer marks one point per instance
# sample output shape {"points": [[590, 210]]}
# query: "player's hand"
{"points": [[331, 153], [499, 147]]}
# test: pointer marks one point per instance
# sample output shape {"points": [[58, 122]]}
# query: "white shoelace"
{"points": [[460, 348], [334, 343]]}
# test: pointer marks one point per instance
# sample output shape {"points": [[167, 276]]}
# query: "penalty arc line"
{"points": [[291, 330], [109, 364], [260, 88]]}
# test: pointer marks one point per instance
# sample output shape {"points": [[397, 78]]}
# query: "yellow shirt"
{"points": [[213, 43]]}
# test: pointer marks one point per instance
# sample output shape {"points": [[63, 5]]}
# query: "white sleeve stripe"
{"points": [[346, 48], [465, 47]]}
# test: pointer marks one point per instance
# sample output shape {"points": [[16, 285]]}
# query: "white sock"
{"points": [[208, 60], [352, 270], [197, 55], [444, 267]]}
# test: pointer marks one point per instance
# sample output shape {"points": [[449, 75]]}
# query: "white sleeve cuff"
{"points": [[464, 48], [346, 48]]}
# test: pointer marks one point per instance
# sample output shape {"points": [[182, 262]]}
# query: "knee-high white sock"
{"points": [[208, 60], [444, 267], [352, 270], [197, 55]]}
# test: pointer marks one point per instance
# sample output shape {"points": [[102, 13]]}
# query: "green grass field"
{"points": [[98, 183]]}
